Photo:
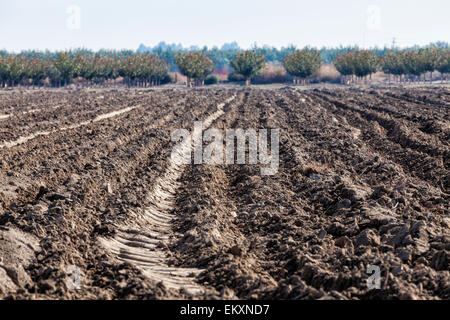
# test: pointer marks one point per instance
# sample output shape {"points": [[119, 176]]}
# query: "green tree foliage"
{"points": [[36, 70], [64, 67], [431, 58], [212, 79], [151, 68], [53, 73], [83, 67], [248, 64], [360, 63], [4, 71], [302, 64], [224, 55], [16, 69], [63, 63], [366, 63], [194, 65], [444, 63], [345, 65], [142, 69], [393, 63], [414, 63]]}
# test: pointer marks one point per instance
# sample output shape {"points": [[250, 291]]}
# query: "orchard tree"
{"points": [[141, 69], [152, 70], [64, 65], [126, 68], [414, 63], [361, 63], [159, 70], [52, 73], [302, 64], [17, 69], [431, 58], [83, 67], [111, 67], [365, 63], [248, 64], [393, 64], [194, 65], [36, 70], [104, 68], [444, 63], [344, 64], [4, 71]]}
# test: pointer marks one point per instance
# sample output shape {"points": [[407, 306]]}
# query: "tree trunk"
{"points": [[247, 82]]}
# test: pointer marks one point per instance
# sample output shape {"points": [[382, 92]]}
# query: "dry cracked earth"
{"points": [[92, 207]]}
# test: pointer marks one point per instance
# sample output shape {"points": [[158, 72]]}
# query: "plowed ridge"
{"points": [[24, 139], [144, 247]]}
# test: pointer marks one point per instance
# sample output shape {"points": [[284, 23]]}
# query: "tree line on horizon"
{"points": [[148, 68], [220, 56], [402, 65], [64, 67], [223, 56]]}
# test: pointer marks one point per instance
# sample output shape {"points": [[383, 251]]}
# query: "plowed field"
{"points": [[92, 207]]}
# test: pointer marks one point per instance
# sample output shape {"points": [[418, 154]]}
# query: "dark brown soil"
{"points": [[363, 180]]}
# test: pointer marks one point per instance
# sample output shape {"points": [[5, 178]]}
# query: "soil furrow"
{"points": [[395, 145], [158, 221], [362, 181]]}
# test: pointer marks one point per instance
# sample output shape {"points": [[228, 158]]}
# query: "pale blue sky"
{"points": [[42, 24]]}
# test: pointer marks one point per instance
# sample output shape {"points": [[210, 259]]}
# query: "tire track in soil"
{"points": [[144, 247], [107, 135], [145, 155], [6, 116], [307, 137], [218, 233], [42, 116], [99, 118], [293, 256], [257, 270]]}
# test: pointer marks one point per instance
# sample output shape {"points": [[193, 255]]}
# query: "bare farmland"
{"points": [[86, 181]]}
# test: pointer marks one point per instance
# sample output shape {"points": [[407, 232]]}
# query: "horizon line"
{"points": [[219, 47]]}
